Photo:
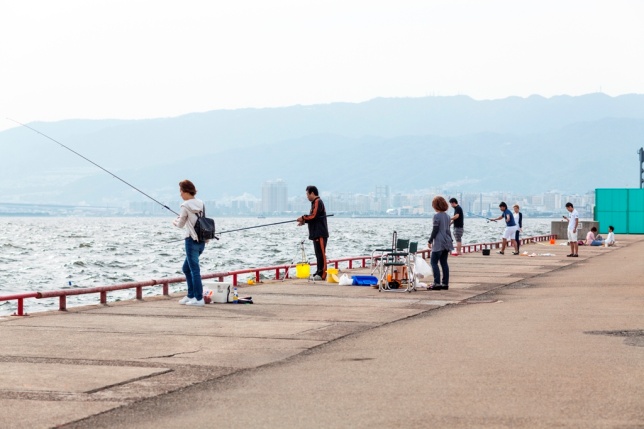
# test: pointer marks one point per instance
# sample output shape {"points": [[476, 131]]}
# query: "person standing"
{"points": [[440, 242], [191, 208], [318, 230], [510, 228], [458, 221], [573, 222], [518, 220]]}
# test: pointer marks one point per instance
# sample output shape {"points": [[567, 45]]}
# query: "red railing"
{"points": [[20, 297], [165, 283]]}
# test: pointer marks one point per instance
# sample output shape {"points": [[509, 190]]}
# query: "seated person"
{"points": [[599, 241], [610, 240], [590, 237]]}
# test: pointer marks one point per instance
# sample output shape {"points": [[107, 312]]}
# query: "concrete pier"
{"points": [[516, 342]]}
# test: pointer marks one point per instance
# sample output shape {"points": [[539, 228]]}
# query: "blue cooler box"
{"points": [[364, 280]]}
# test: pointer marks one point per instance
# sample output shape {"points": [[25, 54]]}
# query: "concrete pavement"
{"points": [[546, 341]]}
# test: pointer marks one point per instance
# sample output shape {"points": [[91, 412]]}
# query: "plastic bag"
{"points": [[422, 268], [345, 280]]}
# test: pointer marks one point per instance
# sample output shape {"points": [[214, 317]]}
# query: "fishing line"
{"points": [[487, 219], [89, 160], [266, 224]]}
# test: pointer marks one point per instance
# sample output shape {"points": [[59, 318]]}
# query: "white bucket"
{"points": [[220, 291]]}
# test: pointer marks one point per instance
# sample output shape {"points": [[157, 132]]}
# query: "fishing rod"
{"points": [[89, 160], [487, 219], [251, 227], [266, 224]]}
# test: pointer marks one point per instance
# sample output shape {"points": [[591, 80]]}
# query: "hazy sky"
{"points": [[133, 59]]}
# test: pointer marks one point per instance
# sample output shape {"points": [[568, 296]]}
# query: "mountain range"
{"points": [[458, 144]]}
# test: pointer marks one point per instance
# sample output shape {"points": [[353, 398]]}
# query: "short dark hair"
{"points": [[312, 190], [610, 228], [503, 205], [593, 229], [569, 205], [453, 200]]}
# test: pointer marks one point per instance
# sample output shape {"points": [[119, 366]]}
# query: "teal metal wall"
{"points": [[621, 208]]}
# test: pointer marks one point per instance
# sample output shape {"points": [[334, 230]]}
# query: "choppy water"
{"points": [[39, 254]]}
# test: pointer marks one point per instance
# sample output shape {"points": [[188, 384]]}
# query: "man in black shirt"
{"points": [[457, 220], [318, 230]]}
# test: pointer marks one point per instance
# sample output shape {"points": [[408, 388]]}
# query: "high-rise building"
{"points": [[552, 201], [274, 196]]}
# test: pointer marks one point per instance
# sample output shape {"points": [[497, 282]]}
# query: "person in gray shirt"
{"points": [[441, 244]]}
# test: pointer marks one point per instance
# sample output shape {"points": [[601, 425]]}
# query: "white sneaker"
{"points": [[196, 303], [185, 300]]}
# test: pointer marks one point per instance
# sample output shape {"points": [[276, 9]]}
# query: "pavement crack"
{"points": [[173, 354], [467, 302], [621, 333], [632, 337]]}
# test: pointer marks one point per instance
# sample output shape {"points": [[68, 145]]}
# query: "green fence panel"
{"points": [[611, 200], [636, 200], [621, 208], [636, 211], [618, 220], [636, 223]]}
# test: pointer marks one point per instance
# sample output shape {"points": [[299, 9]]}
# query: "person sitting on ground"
{"points": [[610, 240], [595, 240], [590, 237]]}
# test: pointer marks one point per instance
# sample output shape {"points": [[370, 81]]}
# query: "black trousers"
{"points": [[319, 244]]}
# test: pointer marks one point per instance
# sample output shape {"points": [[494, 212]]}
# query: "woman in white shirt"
{"points": [[518, 219], [190, 209]]}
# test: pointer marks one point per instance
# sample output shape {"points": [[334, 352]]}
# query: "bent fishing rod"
{"points": [[90, 161], [266, 224]]}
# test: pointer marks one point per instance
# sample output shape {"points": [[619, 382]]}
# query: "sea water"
{"points": [[42, 253]]}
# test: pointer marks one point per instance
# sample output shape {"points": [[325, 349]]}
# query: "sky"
{"points": [[136, 59]]}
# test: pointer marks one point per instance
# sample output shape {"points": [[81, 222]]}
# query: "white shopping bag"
{"points": [[345, 280], [422, 268]]}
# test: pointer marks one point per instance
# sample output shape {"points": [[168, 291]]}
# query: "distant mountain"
{"points": [[457, 143]]}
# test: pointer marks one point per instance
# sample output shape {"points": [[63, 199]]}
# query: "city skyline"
{"points": [[379, 202]]}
